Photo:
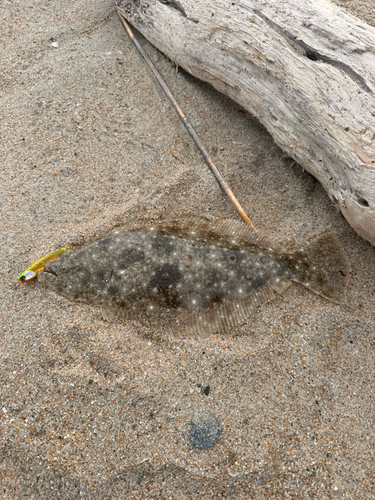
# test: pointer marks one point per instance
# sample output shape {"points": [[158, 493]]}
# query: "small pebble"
{"points": [[55, 44], [204, 430]]}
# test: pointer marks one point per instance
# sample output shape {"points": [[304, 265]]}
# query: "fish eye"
{"points": [[23, 279]]}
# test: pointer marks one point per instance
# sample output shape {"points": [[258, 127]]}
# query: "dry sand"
{"points": [[94, 410]]}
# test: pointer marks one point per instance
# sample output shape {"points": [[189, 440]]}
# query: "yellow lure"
{"points": [[32, 271]]}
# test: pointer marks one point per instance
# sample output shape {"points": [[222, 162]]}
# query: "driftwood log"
{"points": [[305, 69]]}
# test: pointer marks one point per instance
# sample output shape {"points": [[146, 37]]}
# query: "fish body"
{"points": [[216, 273]]}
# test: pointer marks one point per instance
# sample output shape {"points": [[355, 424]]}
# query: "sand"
{"points": [[96, 409]]}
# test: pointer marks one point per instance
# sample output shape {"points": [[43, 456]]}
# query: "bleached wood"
{"points": [[305, 69]]}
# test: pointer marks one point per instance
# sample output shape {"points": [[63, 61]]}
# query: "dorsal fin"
{"points": [[224, 233], [224, 317]]}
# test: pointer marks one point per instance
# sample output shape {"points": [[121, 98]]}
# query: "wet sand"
{"points": [[98, 409]]}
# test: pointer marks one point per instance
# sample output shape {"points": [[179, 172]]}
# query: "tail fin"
{"points": [[322, 267]]}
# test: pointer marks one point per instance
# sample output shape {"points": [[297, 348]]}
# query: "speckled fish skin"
{"points": [[193, 266]]}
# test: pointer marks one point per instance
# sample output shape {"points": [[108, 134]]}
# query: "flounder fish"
{"points": [[217, 273]]}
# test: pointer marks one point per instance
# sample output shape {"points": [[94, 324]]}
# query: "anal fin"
{"points": [[226, 316]]}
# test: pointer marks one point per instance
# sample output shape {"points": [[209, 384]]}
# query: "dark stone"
{"points": [[204, 430]]}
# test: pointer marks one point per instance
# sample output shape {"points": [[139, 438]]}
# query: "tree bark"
{"points": [[305, 69]]}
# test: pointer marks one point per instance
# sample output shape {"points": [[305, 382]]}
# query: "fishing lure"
{"points": [[32, 272], [214, 275]]}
